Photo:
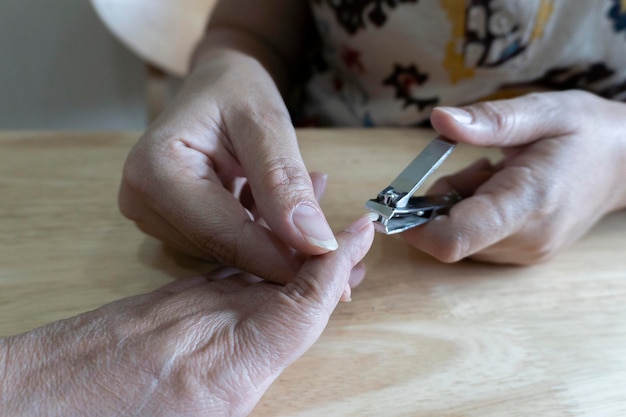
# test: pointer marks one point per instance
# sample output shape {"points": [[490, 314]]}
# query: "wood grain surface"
{"points": [[420, 338]]}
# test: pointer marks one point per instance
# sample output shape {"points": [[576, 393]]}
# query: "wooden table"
{"points": [[420, 338]]}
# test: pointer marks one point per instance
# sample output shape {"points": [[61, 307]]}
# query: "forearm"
{"points": [[55, 371], [4, 375], [20, 363], [273, 32], [10, 375]]}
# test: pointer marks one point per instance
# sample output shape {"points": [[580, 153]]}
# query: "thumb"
{"points": [[294, 318], [280, 183], [506, 123]]}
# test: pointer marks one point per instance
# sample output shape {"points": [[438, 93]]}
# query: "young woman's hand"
{"points": [[564, 168]]}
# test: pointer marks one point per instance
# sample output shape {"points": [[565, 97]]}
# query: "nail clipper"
{"points": [[398, 210]]}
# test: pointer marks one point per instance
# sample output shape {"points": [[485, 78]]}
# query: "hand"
{"points": [[220, 176], [196, 347], [563, 169]]}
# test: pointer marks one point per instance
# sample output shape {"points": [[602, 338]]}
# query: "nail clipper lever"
{"points": [[398, 210]]}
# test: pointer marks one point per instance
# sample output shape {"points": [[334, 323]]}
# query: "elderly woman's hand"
{"points": [[196, 347], [227, 126], [563, 169]]}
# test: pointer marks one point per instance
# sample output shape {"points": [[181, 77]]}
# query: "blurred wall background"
{"points": [[61, 69]]}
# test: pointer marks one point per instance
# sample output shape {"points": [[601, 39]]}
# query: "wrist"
{"points": [[222, 43], [224, 79]]}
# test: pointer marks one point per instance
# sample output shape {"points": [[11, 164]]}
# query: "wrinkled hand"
{"points": [[219, 175], [563, 169], [197, 347]]}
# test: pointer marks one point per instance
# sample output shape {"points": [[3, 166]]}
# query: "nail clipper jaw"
{"points": [[384, 213], [390, 222], [394, 220], [396, 224], [419, 210]]}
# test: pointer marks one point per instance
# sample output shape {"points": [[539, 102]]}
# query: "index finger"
{"points": [[216, 223], [498, 209]]}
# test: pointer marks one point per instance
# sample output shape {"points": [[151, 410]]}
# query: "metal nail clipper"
{"points": [[398, 210]]}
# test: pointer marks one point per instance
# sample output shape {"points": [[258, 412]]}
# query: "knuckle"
{"points": [[543, 252], [133, 179], [134, 190], [501, 115], [575, 103], [555, 109], [263, 119], [127, 202], [271, 119], [126, 207], [539, 198], [538, 248], [559, 110], [303, 289], [218, 244], [285, 176], [576, 97], [451, 249], [266, 115], [542, 241]]}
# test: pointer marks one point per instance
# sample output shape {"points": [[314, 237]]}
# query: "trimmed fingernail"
{"points": [[314, 228], [361, 222], [459, 115], [346, 296]]}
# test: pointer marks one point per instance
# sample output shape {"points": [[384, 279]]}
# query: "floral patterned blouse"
{"points": [[389, 62]]}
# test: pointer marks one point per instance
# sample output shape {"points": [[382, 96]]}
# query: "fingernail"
{"points": [[363, 221], [346, 296], [313, 227], [459, 115]]}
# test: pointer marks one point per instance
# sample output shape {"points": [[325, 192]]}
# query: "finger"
{"points": [[510, 122], [283, 191], [498, 209], [466, 181], [215, 222], [318, 180], [211, 220], [181, 285], [222, 273], [296, 316], [321, 280], [156, 225], [357, 275]]}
